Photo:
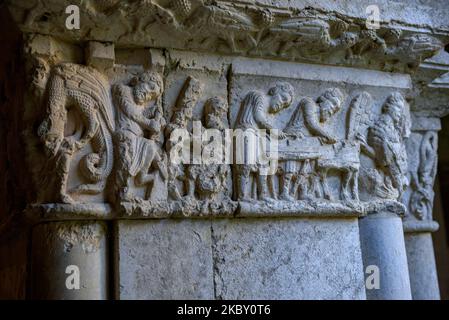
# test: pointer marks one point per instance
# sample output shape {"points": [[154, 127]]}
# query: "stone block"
{"points": [[100, 55], [165, 259], [287, 259]]}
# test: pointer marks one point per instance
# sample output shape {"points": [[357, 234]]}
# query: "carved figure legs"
{"points": [[243, 182], [262, 187], [285, 192]]}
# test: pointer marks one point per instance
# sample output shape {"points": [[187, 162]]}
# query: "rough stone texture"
{"points": [[421, 266], [382, 243], [166, 259], [287, 259]]}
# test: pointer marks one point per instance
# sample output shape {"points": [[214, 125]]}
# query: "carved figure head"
{"points": [[215, 110], [330, 103], [281, 96], [394, 107], [147, 86]]}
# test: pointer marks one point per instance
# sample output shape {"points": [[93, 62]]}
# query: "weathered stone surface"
{"points": [[327, 31], [287, 259], [166, 259]]}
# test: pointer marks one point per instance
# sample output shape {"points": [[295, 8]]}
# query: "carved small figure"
{"points": [[253, 114], [205, 181], [138, 128]]}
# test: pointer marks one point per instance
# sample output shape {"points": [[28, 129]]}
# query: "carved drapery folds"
{"points": [[157, 145]]}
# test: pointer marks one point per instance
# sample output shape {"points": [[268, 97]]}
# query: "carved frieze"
{"points": [[211, 136]]}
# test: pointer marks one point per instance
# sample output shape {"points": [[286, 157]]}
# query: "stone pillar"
{"points": [[418, 224], [382, 243], [69, 261]]}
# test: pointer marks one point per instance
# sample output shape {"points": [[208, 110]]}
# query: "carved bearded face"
{"points": [[395, 113], [146, 91]]}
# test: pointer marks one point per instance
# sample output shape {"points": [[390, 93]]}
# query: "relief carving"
{"points": [[139, 124], [309, 171], [421, 199], [253, 29], [310, 157], [85, 92], [385, 145], [253, 115]]}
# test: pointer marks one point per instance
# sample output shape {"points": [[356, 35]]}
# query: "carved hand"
{"points": [[282, 135], [328, 140], [361, 138]]}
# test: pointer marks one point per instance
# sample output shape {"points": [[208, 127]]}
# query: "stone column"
{"points": [[382, 243], [69, 261], [70, 257], [418, 223]]}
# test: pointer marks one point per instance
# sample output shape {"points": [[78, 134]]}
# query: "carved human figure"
{"points": [[253, 114], [181, 119], [86, 92], [385, 145], [206, 180], [139, 124], [421, 199], [314, 115]]}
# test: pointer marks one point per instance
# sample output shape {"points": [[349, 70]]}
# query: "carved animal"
{"points": [[87, 92]]}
